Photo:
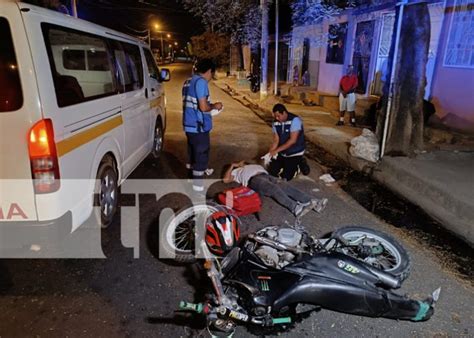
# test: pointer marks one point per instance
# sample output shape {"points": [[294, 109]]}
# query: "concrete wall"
{"points": [[329, 74], [450, 88], [453, 87], [314, 34]]}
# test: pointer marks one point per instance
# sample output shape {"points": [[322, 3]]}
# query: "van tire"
{"points": [[158, 139], [106, 191]]}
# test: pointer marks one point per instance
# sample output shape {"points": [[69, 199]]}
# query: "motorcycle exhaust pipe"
{"points": [[385, 278]]}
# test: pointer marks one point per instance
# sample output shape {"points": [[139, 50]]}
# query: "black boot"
{"points": [[304, 167]]}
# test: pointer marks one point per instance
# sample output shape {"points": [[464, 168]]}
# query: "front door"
{"points": [[155, 93]]}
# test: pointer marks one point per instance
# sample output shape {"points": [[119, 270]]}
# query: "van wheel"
{"points": [[158, 140], [106, 191]]}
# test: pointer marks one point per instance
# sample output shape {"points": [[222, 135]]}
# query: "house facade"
{"points": [[362, 37]]}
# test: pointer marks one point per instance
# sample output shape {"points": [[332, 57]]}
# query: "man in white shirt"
{"points": [[257, 178]]}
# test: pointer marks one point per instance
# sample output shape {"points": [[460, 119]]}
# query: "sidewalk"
{"points": [[440, 182]]}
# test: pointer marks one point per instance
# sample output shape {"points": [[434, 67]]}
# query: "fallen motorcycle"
{"points": [[272, 276]]}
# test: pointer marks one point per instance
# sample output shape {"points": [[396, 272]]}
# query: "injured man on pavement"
{"points": [[257, 178]]}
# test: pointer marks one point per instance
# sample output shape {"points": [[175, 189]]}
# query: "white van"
{"points": [[77, 101]]}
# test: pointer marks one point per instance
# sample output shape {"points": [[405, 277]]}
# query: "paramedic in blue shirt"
{"points": [[288, 143], [197, 120]]}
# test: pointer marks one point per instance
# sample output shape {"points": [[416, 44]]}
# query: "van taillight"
{"points": [[43, 157]]}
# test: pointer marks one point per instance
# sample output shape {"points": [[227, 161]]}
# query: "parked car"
{"points": [[77, 102]]}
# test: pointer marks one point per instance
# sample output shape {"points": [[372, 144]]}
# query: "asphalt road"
{"points": [[124, 296]]}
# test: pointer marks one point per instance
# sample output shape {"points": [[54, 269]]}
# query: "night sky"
{"points": [[133, 16], [118, 14], [129, 16]]}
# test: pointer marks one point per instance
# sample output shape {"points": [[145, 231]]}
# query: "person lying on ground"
{"points": [[257, 178]]}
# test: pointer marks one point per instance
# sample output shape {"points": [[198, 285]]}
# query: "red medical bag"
{"points": [[243, 200]]}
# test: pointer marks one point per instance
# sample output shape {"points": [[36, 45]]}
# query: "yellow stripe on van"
{"points": [[65, 146]]}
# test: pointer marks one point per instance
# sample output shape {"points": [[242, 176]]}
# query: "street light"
{"points": [[157, 27]]}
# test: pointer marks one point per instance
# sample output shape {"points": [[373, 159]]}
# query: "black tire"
{"points": [[106, 191], [158, 140], [394, 258], [183, 251]]}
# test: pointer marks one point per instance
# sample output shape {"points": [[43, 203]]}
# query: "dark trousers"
{"points": [[285, 167], [198, 156], [282, 192]]}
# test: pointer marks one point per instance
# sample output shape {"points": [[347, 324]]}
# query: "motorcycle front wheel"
{"points": [[178, 235], [386, 253]]}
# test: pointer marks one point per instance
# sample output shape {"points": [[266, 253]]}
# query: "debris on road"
{"points": [[327, 178], [365, 146]]}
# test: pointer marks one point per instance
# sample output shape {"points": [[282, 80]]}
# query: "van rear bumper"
{"points": [[21, 235]]}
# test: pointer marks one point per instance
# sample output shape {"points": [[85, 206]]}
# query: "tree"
{"points": [[237, 18], [405, 128], [312, 12], [212, 45]]}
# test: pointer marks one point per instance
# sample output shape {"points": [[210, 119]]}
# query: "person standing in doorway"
{"points": [[347, 99], [197, 120], [296, 76]]}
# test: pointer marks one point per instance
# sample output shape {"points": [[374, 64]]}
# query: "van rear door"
{"points": [[19, 110]]}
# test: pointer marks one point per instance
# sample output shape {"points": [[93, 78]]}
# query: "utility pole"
{"points": [[162, 48], [277, 18], [264, 49], [74, 8]]}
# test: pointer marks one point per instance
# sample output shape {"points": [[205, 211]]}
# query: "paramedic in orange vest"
{"points": [[347, 99]]}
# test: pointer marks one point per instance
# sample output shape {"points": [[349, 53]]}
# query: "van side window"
{"points": [[81, 65], [11, 94], [74, 59], [152, 67], [129, 66], [97, 60]]}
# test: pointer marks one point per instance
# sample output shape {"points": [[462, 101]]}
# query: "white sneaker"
{"points": [[302, 209], [207, 172]]}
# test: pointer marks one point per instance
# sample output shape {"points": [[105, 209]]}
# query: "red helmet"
{"points": [[222, 232]]}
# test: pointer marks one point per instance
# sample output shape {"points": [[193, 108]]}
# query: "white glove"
{"points": [[215, 112], [267, 158]]}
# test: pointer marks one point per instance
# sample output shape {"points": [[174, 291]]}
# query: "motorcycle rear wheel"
{"points": [[178, 235], [393, 259]]}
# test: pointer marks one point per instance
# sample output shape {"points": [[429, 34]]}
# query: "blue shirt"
{"points": [[284, 129], [194, 120], [296, 125]]}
